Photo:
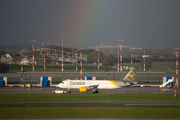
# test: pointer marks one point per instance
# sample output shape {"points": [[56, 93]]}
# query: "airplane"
{"points": [[164, 84], [94, 85]]}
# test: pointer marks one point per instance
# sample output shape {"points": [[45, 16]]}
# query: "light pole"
{"points": [[62, 55], [131, 61], [144, 60], [76, 60], [44, 61], [33, 52], [177, 82], [23, 52], [118, 58], [121, 54], [98, 59], [81, 65], [132, 49]]}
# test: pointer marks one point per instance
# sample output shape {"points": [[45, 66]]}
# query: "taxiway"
{"points": [[91, 104], [125, 90]]}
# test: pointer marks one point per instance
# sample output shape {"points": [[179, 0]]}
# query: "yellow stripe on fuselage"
{"points": [[114, 83]]}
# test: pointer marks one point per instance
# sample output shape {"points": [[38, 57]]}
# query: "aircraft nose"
{"points": [[58, 85]]}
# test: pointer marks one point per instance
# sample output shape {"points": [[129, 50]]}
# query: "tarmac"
{"points": [[125, 90], [91, 104]]}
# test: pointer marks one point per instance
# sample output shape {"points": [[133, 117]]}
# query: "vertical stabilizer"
{"points": [[130, 75], [164, 84]]}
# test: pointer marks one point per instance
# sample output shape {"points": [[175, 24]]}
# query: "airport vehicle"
{"points": [[59, 91], [94, 85]]}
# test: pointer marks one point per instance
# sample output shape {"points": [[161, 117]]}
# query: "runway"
{"points": [[91, 104]]}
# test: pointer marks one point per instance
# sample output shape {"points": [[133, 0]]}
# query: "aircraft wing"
{"points": [[85, 88]]}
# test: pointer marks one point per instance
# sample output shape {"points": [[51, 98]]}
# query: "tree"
{"points": [[2, 52], [92, 57], [16, 58], [147, 64], [109, 61]]}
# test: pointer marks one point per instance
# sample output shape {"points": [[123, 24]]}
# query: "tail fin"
{"points": [[130, 75]]}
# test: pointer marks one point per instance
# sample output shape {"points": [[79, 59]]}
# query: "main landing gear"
{"points": [[69, 91], [95, 91]]}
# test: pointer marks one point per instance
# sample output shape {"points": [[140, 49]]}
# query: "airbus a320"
{"points": [[95, 85]]}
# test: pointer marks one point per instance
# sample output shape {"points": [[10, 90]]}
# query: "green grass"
{"points": [[156, 66], [164, 66], [14, 67], [90, 112], [89, 98]]}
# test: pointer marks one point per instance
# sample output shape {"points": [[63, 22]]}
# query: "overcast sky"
{"points": [[86, 23]]}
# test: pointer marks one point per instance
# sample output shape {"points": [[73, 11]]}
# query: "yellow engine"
{"points": [[84, 89]]}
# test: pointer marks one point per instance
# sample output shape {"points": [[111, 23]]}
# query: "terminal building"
{"points": [[45, 79]]}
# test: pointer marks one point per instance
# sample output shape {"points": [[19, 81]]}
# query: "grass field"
{"points": [[89, 112], [156, 66], [14, 67]]}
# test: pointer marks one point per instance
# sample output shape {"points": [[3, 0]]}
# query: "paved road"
{"points": [[102, 104]]}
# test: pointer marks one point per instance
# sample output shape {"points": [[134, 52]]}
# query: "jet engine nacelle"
{"points": [[84, 89]]}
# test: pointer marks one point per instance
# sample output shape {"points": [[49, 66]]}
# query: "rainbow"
{"points": [[84, 22]]}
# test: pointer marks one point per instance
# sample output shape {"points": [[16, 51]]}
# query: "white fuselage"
{"points": [[102, 84]]}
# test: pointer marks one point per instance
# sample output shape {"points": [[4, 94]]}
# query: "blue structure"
{"points": [[45, 82], [1, 81], [89, 78], [169, 84]]}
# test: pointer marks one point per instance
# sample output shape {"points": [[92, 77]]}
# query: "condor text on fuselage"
{"points": [[77, 83]]}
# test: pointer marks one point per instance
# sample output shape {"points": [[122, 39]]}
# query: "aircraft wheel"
{"points": [[95, 91]]}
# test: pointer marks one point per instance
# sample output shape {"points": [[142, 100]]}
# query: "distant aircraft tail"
{"points": [[130, 75], [164, 84]]}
